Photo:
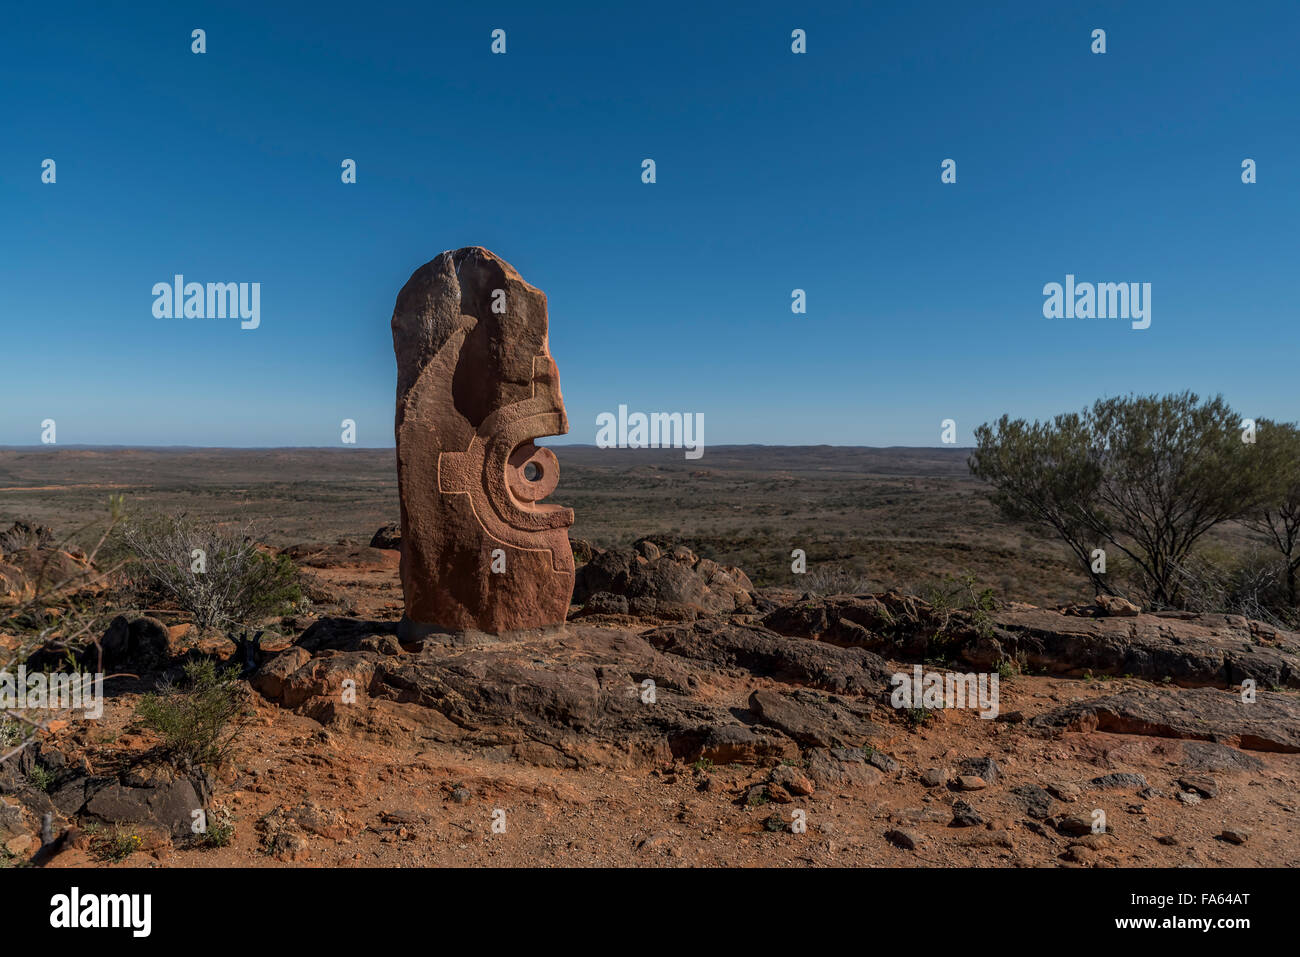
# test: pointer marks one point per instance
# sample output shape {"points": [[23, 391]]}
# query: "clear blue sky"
{"points": [[775, 171]]}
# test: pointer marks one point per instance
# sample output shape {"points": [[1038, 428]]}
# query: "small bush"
{"points": [[117, 845], [918, 717], [217, 576], [834, 580], [198, 720], [23, 535], [220, 832], [959, 597], [40, 778], [1253, 584]]}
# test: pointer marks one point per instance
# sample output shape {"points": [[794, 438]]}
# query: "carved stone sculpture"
{"points": [[476, 384]]}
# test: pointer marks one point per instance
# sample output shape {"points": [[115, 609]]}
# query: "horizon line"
{"points": [[389, 448]]}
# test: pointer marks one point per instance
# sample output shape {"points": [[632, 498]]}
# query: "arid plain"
{"points": [[770, 712], [900, 517]]}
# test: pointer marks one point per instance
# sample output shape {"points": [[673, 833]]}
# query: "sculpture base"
{"points": [[410, 632]]}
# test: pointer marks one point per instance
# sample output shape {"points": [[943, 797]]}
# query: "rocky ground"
{"points": [[684, 717]]}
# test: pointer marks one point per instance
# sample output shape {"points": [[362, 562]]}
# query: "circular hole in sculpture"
{"points": [[533, 472]]}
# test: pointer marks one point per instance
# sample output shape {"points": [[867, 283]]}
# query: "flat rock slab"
{"points": [[815, 720], [1219, 650], [1270, 723], [586, 695], [170, 806], [759, 651], [1190, 650], [841, 768]]}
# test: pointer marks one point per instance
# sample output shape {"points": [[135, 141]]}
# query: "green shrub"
{"points": [[220, 832], [918, 717], [199, 720], [218, 576], [115, 846], [40, 778], [959, 601]]}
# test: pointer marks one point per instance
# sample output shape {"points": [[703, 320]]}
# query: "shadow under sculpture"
{"points": [[476, 384]]}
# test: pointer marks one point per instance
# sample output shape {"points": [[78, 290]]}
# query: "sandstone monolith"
{"points": [[476, 385]]}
